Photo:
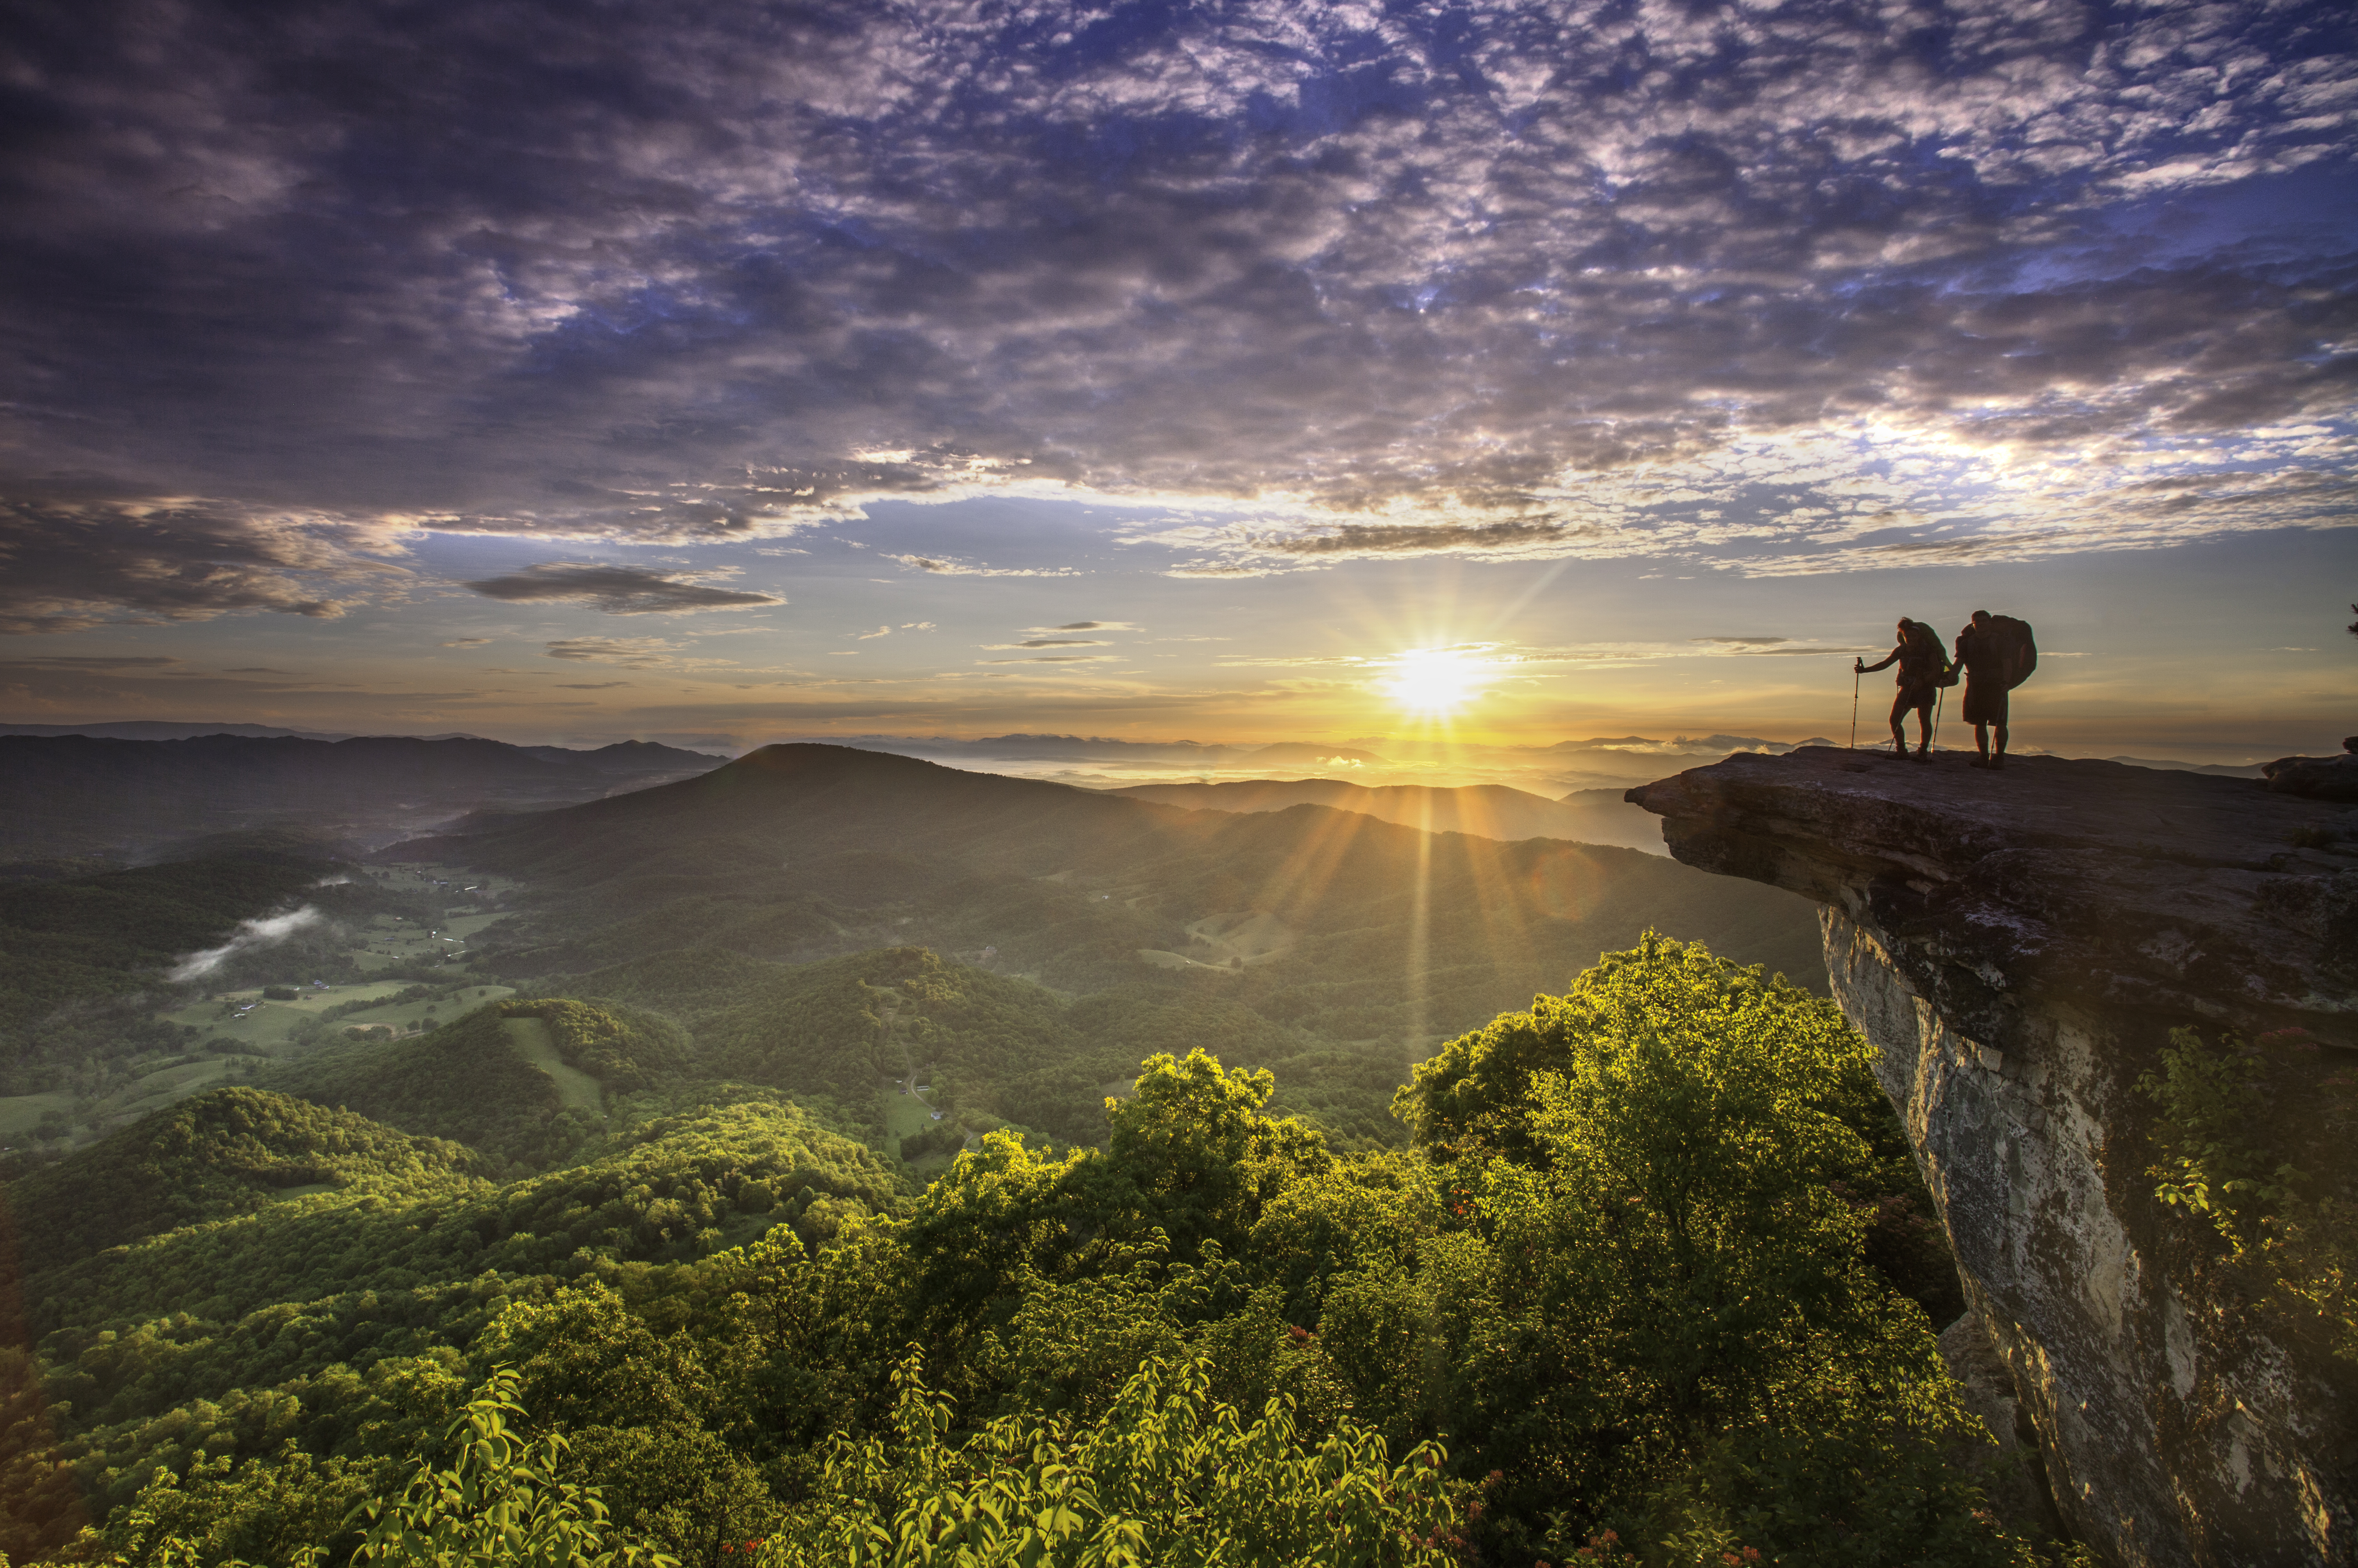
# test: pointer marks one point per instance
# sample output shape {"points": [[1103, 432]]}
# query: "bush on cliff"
{"points": [[2256, 1141]]}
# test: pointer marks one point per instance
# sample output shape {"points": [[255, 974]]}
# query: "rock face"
{"points": [[2322, 778], [2018, 945]]}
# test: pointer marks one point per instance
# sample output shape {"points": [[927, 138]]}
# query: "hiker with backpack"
{"points": [[1997, 654], [1923, 671]]}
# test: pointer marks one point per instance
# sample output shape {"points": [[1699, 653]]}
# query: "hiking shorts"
{"points": [[1984, 703]]}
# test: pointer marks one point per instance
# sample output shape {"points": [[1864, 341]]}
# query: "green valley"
{"points": [[761, 1110]]}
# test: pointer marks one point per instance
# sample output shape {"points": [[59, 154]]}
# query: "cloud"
{"points": [[1414, 539], [590, 686], [618, 590], [1053, 643], [871, 636], [468, 643], [1800, 289], [97, 664], [250, 935], [1741, 642], [956, 569], [256, 670], [634, 653], [73, 559], [1083, 626]]}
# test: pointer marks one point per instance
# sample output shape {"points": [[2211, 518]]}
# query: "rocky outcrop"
{"points": [[2321, 778], [2017, 945]]}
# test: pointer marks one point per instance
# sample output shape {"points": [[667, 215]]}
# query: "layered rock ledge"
{"points": [[2017, 945]]}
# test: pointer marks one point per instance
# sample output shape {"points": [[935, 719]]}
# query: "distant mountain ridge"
{"points": [[71, 794], [1486, 811]]}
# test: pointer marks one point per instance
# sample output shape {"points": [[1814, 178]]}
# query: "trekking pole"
{"points": [[1939, 701], [1855, 678]]}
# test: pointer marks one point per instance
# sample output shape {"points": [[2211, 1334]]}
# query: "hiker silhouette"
{"points": [[1997, 654], [1923, 671]]}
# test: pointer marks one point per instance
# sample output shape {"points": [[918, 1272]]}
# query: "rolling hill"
{"points": [[220, 1155], [73, 795]]}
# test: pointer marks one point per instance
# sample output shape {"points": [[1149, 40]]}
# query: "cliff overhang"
{"points": [[2018, 945]]}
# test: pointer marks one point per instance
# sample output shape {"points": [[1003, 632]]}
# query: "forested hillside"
{"points": [[1652, 1276], [1342, 945], [796, 1152], [88, 938]]}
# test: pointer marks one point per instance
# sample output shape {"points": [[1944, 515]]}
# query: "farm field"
{"points": [[161, 1088], [470, 900], [20, 1114], [265, 1028], [905, 1115], [402, 1017]]}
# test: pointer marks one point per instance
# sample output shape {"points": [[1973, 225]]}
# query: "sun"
{"points": [[1434, 682]]}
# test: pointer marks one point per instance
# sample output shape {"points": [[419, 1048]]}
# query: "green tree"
{"points": [[1191, 1156], [499, 1501], [1660, 1315], [1169, 1476]]}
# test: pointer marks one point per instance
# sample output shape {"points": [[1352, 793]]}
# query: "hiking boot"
{"points": [[1998, 761], [1979, 762]]}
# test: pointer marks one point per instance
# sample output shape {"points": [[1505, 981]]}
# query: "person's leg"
{"points": [[1924, 731], [1999, 759], [1981, 744], [1899, 706]]}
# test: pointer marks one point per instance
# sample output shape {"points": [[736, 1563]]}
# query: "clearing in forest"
{"points": [[1232, 940], [579, 1091]]}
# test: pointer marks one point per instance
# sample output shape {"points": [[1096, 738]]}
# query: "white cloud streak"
{"points": [[250, 936]]}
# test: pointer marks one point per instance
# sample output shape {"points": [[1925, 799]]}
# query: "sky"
{"points": [[1405, 374]]}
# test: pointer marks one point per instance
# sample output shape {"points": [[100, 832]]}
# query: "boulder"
{"points": [[2018, 945], [2320, 778]]}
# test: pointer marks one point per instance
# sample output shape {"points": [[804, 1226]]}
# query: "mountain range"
{"points": [[79, 794]]}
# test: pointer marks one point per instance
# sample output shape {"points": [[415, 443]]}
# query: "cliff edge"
{"points": [[2017, 945]]}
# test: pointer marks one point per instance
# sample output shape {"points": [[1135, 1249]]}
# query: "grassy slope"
{"points": [[576, 1089]]}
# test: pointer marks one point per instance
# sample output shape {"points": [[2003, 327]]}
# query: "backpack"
{"points": [[1924, 652], [2017, 649]]}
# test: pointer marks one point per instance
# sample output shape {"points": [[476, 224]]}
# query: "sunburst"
{"points": [[1435, 683]]}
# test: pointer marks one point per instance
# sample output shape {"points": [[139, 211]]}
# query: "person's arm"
{"points": [[1884, 663]]}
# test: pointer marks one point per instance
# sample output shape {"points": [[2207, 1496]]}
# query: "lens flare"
{"points": [[1434, 682]]}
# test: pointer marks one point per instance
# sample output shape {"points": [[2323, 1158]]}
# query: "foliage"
{"points": [[2256, 1141], [221, 1155], [92, 936], [224, 1512], [2211, 1098], [465, 1081], [619, 1046], [1666, 1320], [1627, 1285], [502, 1503], [1168, 1476]]}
